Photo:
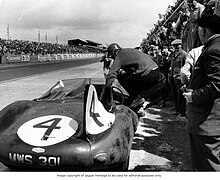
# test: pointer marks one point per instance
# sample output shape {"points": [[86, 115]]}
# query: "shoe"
{"points": [[139, 101], [145, 104], [141, 112]]}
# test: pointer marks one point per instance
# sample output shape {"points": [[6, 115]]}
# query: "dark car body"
{"points": [[68, 128]]}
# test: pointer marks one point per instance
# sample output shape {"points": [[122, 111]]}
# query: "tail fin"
{"points": [[97, 118]]}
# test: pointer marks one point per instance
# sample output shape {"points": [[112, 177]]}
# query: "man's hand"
{"points": [[188, 96]]}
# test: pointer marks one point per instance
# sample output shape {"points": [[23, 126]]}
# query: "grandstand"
{"points": [[20, 47], [91, 45], [16, 51]]}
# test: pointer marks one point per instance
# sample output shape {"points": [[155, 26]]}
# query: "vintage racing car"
{"points": [[68, 128]]}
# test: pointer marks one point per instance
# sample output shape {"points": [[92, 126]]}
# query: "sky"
{"points": [[126, 22]]}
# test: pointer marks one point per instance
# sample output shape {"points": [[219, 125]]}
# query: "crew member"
{"points": [[134, 70], [107, 63]]}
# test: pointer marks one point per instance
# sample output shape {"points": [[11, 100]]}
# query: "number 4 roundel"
{"points": [[47, 130]]}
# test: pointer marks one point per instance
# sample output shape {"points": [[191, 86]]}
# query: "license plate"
{"points": [[26, 159]]}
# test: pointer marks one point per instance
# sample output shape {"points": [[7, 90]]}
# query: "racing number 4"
{"points": [[49, 128]]}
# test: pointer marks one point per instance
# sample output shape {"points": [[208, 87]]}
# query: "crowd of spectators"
{"points": [[171, 40], [20, 47], [188, 41], [176, 23]]}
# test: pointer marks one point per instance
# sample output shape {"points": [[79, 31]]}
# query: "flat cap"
{"points": [[176, 42]]}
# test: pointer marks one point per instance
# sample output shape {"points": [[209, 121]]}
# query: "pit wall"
{"points": [[9, 59]]}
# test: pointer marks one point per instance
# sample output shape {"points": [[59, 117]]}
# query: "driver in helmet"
{"points": [[134, 70]]}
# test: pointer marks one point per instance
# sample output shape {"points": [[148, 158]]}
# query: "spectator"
{"points": [[203, 98], [165, 69], [152, 51], [159, 58], [18, 47], [177, 61], [166, 62], [182, 25], [107, 63], [191, 59], [195, 9]]}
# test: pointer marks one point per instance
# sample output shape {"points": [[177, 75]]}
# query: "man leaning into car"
{"points": [[134, 70]]}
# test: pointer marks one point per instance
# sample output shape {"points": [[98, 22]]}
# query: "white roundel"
{"points": [[47, 130]]}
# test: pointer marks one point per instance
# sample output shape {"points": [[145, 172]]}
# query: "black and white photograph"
{"points": [[109, 89]]}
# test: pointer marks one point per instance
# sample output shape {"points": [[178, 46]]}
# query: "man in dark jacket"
{"points": [[203, 98], [134, 70], [177, 61]]}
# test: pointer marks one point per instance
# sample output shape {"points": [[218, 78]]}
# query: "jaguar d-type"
{"points": [[68, 128]]}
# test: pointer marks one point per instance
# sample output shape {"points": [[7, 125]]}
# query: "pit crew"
{"points": [[134, 70]]}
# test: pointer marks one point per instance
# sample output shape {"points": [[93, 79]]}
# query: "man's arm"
{"points": [[185, 71], [113, 73]]}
